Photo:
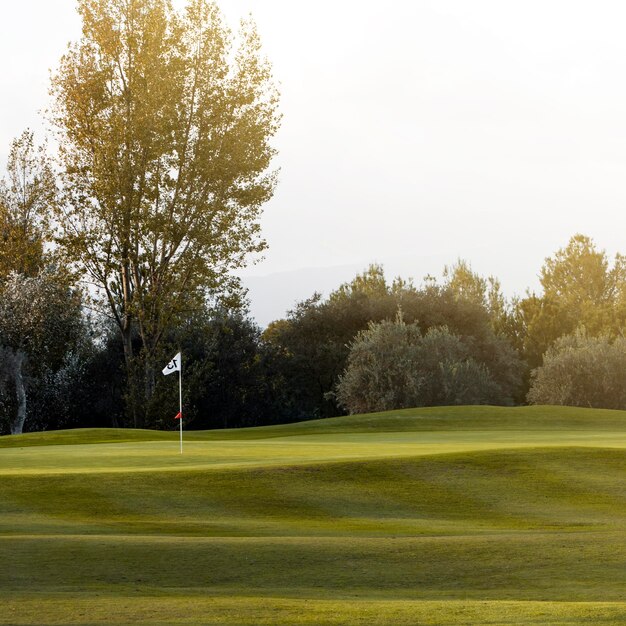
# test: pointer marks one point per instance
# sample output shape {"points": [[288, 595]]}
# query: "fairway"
{"points": [[461, 515]]}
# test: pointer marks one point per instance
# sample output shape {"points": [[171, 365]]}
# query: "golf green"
{"points": [[463, 515]]}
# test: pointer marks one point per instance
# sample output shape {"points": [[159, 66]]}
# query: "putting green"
{"points": [[446, 515]]}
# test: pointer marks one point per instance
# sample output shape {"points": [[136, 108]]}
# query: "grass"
{"points": [[450, 515]]}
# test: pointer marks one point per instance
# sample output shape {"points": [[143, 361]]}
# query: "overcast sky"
{"points": [[414, 132]]}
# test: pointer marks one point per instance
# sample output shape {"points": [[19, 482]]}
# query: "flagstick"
{"points": [[180, 400]]}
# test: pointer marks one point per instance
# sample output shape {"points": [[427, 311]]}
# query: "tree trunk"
{"points": [[149, 379], [20, 391], [132, 396]]}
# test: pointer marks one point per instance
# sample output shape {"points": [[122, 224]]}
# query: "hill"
{"points": [[446, 515]]}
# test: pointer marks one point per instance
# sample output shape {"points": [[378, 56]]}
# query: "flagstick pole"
{"points": [[180, 400]]}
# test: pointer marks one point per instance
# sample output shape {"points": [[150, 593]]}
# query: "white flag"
{"points": [[173, 365]]}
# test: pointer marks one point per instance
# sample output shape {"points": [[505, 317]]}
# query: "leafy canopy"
{"points": [[164, 129], [27, 196]]}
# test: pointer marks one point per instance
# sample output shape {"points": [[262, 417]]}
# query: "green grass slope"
{"points": [[449, 515], [405, 420]]}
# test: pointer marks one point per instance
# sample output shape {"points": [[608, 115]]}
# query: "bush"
{"points": [[392, 365], [582, 371]]}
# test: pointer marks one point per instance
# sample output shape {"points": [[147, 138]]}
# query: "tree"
{"points": [[88, 392], [371, 284], [580, 370], [225, 381], [465, 282], [40, 322], [580, 288], [312, 344], [27, 196], [381, 372], [164, 134], [579, 274], [40, 316], [486, 292], [392, 365]]}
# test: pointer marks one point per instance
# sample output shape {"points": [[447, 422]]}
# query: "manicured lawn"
{"points": [[450, 515]]}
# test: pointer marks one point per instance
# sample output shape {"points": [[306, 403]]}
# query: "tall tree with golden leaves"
{"points": [[164, 123]]}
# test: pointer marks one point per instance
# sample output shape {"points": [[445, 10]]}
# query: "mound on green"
{"points": [[490, 418], [447, 515]]}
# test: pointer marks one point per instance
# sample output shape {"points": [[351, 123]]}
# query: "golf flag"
{"points": [[176, 365], [173, 365]]}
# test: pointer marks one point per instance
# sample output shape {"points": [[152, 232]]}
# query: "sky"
{"points": [[414, 132]]}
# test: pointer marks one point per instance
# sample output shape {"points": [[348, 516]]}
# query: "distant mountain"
{"points": [[271, 296]]}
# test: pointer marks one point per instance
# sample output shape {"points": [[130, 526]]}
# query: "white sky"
{"points": [[414, 132]]}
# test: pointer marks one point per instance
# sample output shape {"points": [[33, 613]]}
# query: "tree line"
{"points": [[371, 345], [119, 241]]}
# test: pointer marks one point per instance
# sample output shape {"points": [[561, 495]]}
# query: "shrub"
{"points": [[582, 371], [392, 365]]}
